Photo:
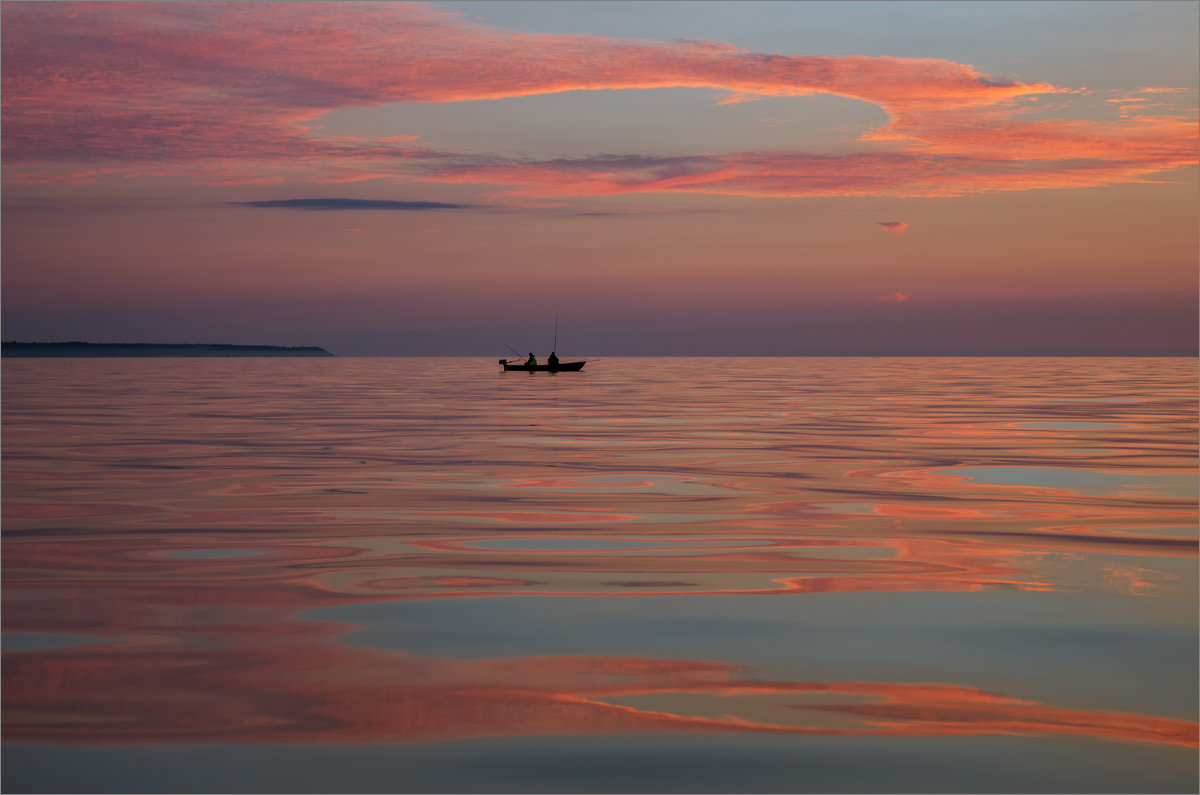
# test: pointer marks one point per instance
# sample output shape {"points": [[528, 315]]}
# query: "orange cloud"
{"points": [[179, 87], [894, 226], [894, 298]]}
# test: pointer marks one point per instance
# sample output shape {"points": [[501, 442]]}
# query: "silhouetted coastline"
{"points": [[142, 349]]}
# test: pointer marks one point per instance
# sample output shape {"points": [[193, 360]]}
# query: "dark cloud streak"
{"points": [[355, 204]]}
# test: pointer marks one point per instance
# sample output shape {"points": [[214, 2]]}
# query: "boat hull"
{"points": [[561, 367]]}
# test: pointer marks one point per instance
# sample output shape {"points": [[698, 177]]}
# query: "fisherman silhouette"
{"points": [[532, 360], [553, 360]]}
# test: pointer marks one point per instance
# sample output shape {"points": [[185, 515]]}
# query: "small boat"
{"points": [[561, 367]]}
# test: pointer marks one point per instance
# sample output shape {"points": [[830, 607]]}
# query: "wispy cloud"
{"points": [[228, 93], [894, 226], [896, 297]]}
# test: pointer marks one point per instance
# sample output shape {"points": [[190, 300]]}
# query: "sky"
{"points": [[674, 178]]}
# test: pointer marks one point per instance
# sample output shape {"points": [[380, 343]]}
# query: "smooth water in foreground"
{"points": [[683, 575]]}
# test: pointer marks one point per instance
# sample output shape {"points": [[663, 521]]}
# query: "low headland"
{"points": [[143, 349]]}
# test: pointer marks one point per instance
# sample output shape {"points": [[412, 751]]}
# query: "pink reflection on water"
{"points": [[833, 478], [306, 693]]}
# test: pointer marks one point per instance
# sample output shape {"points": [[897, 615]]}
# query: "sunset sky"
{"points": [[662, 177]]}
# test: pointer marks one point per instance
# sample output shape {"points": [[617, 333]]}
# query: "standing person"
{"points": [[553, 360], [532, 359]]}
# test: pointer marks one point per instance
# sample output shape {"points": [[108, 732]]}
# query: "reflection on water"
{"points": [[917, 557]]}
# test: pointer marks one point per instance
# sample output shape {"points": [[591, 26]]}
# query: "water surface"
{"points": [[681, 575]]}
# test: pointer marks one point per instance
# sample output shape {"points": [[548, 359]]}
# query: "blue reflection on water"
{"points": [[667, 763], [1091, 651], [213, 554], [34, 641], [1086, 481]]}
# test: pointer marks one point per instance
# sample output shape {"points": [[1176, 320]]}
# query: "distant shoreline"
{"points": [[146, 349]]}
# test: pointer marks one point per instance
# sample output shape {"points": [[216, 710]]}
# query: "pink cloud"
{"points": [[894, 226], [894, 298], [186, 88]]}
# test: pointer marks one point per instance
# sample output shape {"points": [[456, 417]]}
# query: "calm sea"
{"points": [[684, 575]]}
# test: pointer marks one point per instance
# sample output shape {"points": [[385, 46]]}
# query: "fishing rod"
{"points": [[555, 333], [511, 348]]}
